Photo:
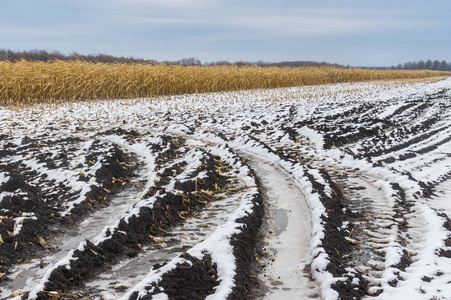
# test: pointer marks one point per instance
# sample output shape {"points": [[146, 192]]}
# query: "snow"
{"points": [[218, 243], [220, 249], [315, 138], [180, 129], [19, 221], [228, 113], [148, 172], [193, 160], [317, 210], [288, 246], [70, 178], [64, 262], [428, 264], [154, 276], [218, 246], [3, 178], [160, 296]]}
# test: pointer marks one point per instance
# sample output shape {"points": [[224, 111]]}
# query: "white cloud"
{"points": [[304, 26], [170, 21], [19, 32], [170, 3]]}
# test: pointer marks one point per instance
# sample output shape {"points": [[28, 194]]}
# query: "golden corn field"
{"points": [[26, 82]]}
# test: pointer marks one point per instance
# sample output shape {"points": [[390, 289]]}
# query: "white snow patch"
{"points": [[314, 137]]}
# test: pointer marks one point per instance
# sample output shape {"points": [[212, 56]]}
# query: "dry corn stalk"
{"points": [[158, 239], [42, 242], [18, 293], [24, 83]]}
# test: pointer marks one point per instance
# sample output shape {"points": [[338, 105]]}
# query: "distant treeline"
{"points": [[43, 55], [261, 63], [424, 65]]}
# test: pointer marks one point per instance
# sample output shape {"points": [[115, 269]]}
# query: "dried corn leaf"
{"points": [[42, 242], [158, 239], [18, 293]]}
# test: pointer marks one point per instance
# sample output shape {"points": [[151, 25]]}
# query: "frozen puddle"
{"points": [[27, 276], [288, 235]]}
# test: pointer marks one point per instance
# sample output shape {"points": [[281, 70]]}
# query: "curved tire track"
{"points": [[287, 235]]}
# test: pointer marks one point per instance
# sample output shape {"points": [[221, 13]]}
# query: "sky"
{"points": [[355, 33]]}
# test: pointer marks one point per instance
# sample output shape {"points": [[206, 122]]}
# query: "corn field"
{"points": [[24, 83]]}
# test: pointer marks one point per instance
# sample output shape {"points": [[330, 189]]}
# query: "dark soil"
{"points": [[245, 250], [198, 276], [187, 281], [16, 248], [44, 204], [445, 252], [168, 210], [197, 282], [334, 242]]}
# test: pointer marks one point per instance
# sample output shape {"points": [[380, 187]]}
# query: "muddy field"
{"points": [[329, 192]]}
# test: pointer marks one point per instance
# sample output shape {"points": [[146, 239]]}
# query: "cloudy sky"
{"points": [[353, 32]]}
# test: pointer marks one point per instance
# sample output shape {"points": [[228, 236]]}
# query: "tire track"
{"points": [[287, 236], [192, 170], [27, 276], [385, 235], [115, 282], [384, 228]]}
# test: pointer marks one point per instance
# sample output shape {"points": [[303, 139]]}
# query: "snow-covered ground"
{"points": [[357, 177]]}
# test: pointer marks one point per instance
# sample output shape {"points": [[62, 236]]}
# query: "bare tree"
{"points": [[443, 66], [191, 61], [435, 65], [421, 64]]}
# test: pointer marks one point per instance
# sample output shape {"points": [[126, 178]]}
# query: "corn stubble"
{"points": [[24, 83]]}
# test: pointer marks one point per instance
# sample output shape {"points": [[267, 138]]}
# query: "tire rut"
{"points": [[287, 235], [384, 228], [27, 276], [115, 282]]}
